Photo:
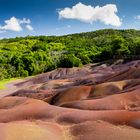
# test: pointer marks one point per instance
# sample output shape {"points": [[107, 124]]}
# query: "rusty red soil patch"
{"points": [[40, 130], [71, 94], [91, 102], [127, 101], [100, 130], [35, 109]]}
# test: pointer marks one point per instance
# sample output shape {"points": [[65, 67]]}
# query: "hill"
{"points": [[31, 55]]}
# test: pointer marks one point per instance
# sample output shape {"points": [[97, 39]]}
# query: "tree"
{"points": [[68, 61]]}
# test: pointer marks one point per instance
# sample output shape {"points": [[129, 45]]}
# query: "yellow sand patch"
{"points": [[32, 131]]}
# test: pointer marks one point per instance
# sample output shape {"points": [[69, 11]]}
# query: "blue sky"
{"points": [[59, 17]]}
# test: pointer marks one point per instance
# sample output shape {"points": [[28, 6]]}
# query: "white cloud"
{"points": [[90, 14], [14, 24], [25, 21], [29, 27]]}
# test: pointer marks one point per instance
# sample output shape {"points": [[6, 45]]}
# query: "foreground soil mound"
{"points": [[94, 102]]}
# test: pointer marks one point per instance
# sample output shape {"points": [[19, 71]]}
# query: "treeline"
{"points": [[21, 57]]}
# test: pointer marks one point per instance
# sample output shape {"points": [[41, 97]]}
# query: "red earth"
{"points": [[94, 102]]}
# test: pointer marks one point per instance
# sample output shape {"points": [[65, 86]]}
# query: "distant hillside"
{"points": [[107, 32], [31, 55]]}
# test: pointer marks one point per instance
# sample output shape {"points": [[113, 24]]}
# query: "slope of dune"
{"points": [[93, 102]]}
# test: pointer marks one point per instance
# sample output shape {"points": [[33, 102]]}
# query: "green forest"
{"points": [[31, 55]]}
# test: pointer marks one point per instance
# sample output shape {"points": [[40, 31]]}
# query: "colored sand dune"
{"points": [[87, 103]]}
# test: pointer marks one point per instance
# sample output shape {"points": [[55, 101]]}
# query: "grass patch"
{"points": [[6, 81]]}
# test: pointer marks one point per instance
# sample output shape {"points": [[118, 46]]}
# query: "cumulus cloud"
{"points": [[29, 27], [14, 24], [25, 21], [87, 13]]}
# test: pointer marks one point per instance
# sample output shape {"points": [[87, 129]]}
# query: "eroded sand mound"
{"points": [[87, 103]]}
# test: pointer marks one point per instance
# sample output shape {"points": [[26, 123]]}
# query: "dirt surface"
{"points": [[87, 103]]}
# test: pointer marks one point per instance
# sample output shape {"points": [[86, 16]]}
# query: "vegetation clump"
{"points": [[26, 56]]}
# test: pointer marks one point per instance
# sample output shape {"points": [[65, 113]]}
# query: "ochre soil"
{"points": [[88, 103]]}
